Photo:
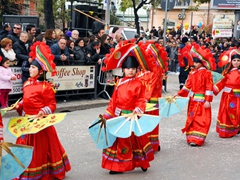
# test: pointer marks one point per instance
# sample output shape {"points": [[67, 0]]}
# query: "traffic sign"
{"points": [[170, 4]]}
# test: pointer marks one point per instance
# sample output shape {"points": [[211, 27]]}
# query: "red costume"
{"points": [[127, 153], [201, 85], [228, 122], [198, 117], [1, 127], [229, 109], [49, 160]]}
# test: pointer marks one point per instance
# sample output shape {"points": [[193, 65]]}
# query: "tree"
{"points": [[199, 2], [58, 11], [10, 8], [136, 5]]}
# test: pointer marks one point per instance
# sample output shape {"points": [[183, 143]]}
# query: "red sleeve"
{"points": [[151, 86], [20, 108], [186, 88], [109, 113], [209, 87], [49, 99], [219, 85], [140, 104], [1, 127]]}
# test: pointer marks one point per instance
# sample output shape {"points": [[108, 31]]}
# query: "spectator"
{"points": [[173, 57], [21, 48], [5, 81], [14, 35], [38, 31], [31, 30], [173, 32], [6, 49], [75, 35], [100, 33], [40, 38], [93, 49], [81, 54], [50, 36], [97, 26], [105, 47], [71, 50], [118, 39], [59, 34], [60, 52], [154, 31], [86, 40], [4, 32]]}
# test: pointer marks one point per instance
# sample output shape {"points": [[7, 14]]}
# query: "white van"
{"points": [[127, 33]]}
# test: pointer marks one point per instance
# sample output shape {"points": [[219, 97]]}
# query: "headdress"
{"points": [[205, 55], [225, 59], [42, 54], [117, 57]]}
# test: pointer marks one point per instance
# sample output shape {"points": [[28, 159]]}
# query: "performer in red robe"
{"points": [[199, 109], [228, 122], [129, 96], [50, 160], [157, 60]]}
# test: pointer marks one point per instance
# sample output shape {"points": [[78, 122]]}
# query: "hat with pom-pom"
{"points": [[205, 55], [42, 54]]}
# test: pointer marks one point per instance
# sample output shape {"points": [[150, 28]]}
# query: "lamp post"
{"points": [[148, 15], [183, 17]]}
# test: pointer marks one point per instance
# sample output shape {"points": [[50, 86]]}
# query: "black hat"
{"points": [[197, 60], [184, 39], [130, 62], [235, 56], [35, 63], [195, 38]]}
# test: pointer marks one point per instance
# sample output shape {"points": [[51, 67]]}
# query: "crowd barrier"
{"points": [[69, 80]]}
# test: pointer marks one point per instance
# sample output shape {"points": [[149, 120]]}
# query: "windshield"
{"points": [[131, 34]]}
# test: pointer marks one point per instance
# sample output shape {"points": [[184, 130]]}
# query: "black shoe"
{"points": [[115, 172], [144, 170], [159, 148], [238, 132], [193, 144]]}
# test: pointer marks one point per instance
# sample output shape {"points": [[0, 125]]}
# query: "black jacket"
{"points": [[94, 56], [13, 37], [21, 51], [3, 34], [96, 27], [104, 49]]}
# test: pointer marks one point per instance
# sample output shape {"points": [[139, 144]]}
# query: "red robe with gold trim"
{"points": [[198, 117], [127, 153], [50, 160], [228, 122]]}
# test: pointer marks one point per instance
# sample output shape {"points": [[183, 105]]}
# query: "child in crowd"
{"points": [[129, 97], [200, 85], [228, 122], [6, 78]]}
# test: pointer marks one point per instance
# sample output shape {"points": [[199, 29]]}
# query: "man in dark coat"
{"points": [[15, 33], [97, 26], [21, 48], [4, 32]]}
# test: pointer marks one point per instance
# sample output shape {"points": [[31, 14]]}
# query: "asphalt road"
{"points": [[218, 159]]}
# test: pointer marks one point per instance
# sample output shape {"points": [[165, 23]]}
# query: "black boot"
{"points": [[159, 148], [115, 172], [144, 170]]}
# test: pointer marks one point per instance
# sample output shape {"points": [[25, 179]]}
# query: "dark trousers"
{"points": [[183, 76]]}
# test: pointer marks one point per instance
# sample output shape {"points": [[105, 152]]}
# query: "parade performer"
{"points": [[184, 60], [50, 160], [228, 122], [200, 85], [1, 129], [129, 97], [157, 60]]}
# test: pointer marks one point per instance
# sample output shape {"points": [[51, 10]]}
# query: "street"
{"points": [[217, 159]]}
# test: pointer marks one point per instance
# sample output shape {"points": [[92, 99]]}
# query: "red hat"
{"points": [[117, 57], [205, 55], [226, 57], [42, 54]]}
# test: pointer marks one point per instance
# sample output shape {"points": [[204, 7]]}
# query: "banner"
{"points": [[17, 84], [225, 4], [73, 78], [222, 27]]}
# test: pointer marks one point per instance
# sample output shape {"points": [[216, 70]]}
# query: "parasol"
{"points": [[151, 107], [216, 77], [171, 105], [15, 161], [4, 110], [140, 124], [18, 126], [101, 138]]}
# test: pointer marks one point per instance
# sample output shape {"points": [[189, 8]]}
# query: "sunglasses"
{"points": [[108, 39], [16, 28]]}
